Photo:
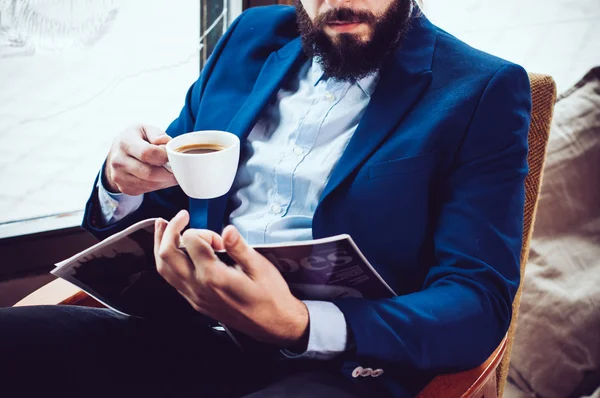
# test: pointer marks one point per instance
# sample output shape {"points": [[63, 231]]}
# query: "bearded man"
{"points": [[357, 117]]}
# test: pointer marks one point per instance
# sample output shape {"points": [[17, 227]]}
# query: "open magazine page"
{"points": [[324, 269], [121, 273]]}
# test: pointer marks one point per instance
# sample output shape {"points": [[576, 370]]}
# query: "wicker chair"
{"points": [[485, 381]]}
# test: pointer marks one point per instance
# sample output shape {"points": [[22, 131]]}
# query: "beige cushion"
{"points": [[595, 394], [557, 343]]}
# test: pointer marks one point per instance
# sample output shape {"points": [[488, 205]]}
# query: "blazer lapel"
{"points": [[403, 79], [267, 83], [269, 80]]}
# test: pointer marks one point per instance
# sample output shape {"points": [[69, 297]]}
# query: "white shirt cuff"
{"points": [[328, 334], [116, 206]]}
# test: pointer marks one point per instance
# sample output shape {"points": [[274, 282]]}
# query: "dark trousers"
{"points": [[76, 351]]}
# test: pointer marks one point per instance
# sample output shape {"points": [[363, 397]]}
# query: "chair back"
{"points": [[543, 93], [543, 97]]}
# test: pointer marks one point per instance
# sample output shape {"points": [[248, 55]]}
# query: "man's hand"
{"points": [[134, 163], [251, 297]]}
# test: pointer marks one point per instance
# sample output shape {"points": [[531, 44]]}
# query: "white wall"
{"points": [[556, 37]]}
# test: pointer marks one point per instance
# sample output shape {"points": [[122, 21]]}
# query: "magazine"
{"points": [[120, 272]]}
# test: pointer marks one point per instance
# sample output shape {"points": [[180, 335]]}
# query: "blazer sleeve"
{"points": [[163, 203], [464, 308]]}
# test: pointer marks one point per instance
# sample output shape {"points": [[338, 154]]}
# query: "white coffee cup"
{"points": [[206, 175]]}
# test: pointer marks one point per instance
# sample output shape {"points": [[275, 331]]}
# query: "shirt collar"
{"points": [[366, 84]]}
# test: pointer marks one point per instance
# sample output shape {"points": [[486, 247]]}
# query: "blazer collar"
{"points": [[414, 57], [416, 52], [276, 68]]}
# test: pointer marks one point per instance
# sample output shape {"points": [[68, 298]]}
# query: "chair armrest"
{"points": [[57, 292], [474, 383]]}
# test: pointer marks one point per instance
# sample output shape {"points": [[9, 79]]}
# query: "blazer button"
{"points": [[357, 371], [366, 372], [377, 373]]}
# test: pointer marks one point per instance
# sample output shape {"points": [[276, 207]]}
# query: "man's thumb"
{"points": [[154, 135], [239, 250]]}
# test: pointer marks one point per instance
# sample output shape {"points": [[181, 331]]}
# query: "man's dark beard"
{"points": [[349, 58]]}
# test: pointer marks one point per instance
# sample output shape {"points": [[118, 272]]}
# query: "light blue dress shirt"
{"points": [[289, 156]]}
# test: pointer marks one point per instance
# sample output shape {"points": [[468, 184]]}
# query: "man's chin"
{"points": [[353, 28], [359, 34], [353, 52]]}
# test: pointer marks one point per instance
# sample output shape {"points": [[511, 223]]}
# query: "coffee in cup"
{"points": [[204, 162], [199, 149]]}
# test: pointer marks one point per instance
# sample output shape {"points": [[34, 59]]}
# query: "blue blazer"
{"points": [[431, 188]]}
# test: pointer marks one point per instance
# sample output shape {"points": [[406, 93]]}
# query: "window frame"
{"points": [[32, 246]]}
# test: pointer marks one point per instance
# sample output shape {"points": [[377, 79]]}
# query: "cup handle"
{"points": [[167, 165]]}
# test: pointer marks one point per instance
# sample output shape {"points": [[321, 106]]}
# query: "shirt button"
{"points": [[357, 371], [298, 151], [329, 97], [276, 209]]}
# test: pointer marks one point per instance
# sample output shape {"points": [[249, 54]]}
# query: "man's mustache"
{"points": [[345, 15]]}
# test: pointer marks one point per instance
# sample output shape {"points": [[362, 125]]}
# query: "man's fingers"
{"points": [[142, 150], [197, 243], [169, 245], [133, 186], [214, 240], [147, 172], [132, 177], [171, 260], [150, 154], [174, 274], [174, 229], [145, 145], [201, 246], [154, 135], [202, 255], [237, 248], [159, 230]]}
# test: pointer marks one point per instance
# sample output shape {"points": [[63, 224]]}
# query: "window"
{"points": [[73, 74]]}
